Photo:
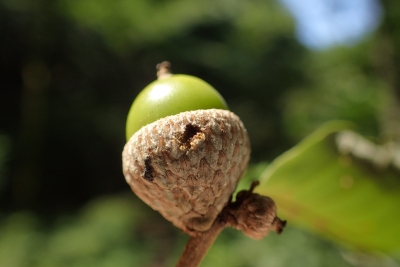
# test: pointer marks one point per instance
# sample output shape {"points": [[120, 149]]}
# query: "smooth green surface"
{"points": [[336, 195], [171, 96]]}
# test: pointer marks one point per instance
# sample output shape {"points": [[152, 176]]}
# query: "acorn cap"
{"points": [[186, 166], [256, 216]]}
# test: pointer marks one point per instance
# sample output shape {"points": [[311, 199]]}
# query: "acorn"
{"points": [[255, 215], [186, 151]]}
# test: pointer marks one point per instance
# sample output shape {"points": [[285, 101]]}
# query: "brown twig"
{"points": [[163, 70], [242, 215], [197, 246]]}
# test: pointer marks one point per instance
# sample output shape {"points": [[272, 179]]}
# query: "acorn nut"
{"points": [[186, 152], [256, 216]]}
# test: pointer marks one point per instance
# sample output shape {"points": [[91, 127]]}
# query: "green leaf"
{"points": [[340, 185]]}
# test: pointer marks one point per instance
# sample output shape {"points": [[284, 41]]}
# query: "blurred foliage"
{"points": [[4, 154], [69, 71], [118, 231], [342, 86], [340, 185], [106, 232]]}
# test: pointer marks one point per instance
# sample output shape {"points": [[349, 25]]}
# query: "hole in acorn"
{"points": [[148, 170], [190, 132]]}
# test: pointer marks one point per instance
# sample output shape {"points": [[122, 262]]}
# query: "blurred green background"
{"points": [[70, 70]]}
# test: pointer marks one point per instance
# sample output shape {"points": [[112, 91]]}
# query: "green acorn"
{"points": [[185, 152]]}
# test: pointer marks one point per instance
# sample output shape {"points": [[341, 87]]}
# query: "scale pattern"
{"points": [[186, 166]]}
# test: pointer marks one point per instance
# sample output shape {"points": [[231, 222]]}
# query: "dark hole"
{"points": [[148, 170], [190, 131]]}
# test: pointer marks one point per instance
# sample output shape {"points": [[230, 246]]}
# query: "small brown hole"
{"points": [[190, 131], [148, 170]]}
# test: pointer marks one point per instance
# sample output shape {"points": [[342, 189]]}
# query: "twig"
{"points": [[241, 215], [197, 246]]}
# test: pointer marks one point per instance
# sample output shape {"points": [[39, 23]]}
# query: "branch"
{"points": [[251, 213], [197, 246]]}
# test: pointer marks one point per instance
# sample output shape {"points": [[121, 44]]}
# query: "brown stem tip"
{"points": [[278, 225], [163, 70]]}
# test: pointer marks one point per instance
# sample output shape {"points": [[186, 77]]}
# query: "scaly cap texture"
{"points": [[186, 166], [256, 215]]}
